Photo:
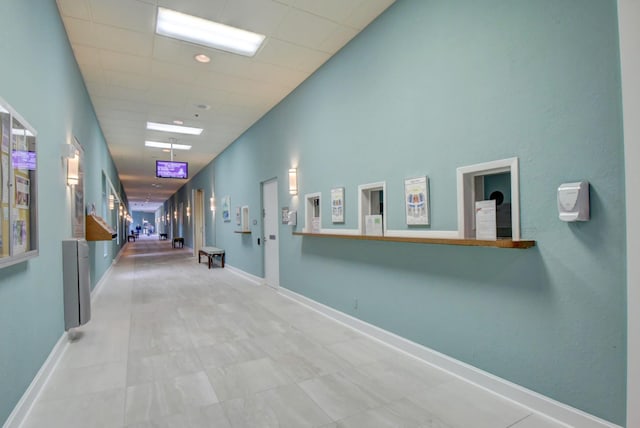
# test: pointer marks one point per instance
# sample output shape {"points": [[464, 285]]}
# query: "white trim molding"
{"points": [[532, 400], [22, 409], [256, 280], [466, 194], [629, 28], [308, 215], [380, 185]]}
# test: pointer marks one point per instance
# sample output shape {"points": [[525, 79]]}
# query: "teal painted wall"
{"points": [[40, 79], [428, 87], [139, 217]]}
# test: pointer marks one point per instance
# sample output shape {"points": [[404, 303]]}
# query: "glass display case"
{"points": [[18, 188]]}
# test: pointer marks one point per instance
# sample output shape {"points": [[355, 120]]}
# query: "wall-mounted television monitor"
{"points": [[171, 169], [23, 159]]}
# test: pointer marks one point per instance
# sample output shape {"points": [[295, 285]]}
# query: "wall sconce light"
{"points": [[121, 210], [293, 181], [212, 203], [188, 211], [112, 202], [73, 174], [175, 214]]}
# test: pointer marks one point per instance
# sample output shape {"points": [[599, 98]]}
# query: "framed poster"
{"points": [[416, 198], [337, 205], [226, 209]]}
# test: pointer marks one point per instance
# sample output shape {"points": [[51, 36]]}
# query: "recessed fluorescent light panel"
{"points": [[162, 145], [207, 33], [165, 127]]}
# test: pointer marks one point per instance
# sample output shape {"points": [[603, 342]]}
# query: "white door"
{"points": [[271, 239]]}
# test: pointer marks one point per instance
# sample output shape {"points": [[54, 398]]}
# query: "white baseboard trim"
{"points": [[254, 279], [532, 400], [22, 409], [96, 290]]}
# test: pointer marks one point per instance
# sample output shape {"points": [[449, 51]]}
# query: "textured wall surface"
{"points": [[428, 87], [39, 77]]}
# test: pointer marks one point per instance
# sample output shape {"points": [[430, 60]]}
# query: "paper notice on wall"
{"points": [[373, 225], [486, 220]]}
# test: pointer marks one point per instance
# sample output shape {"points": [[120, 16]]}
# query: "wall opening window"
{"points": [[313, 213], [497, 180], [372, 203]]}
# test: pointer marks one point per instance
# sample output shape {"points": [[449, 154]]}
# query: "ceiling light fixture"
{"points": [[202, 58], [178, 122], [207, 33], [165, 127], [161, 145]]}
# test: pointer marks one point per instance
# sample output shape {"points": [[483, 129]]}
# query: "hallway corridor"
{"points": [[174, 344]]}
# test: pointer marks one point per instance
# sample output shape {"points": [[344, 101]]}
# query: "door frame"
{"points": [[628, 19], [264, 232], [197, 195]]}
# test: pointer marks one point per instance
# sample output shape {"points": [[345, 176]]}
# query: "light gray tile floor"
{"points": [[172, 343]]}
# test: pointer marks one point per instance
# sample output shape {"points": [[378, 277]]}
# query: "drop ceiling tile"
{"points": [[286, 54], [305, 29], [338, 39], [366, 12], [128, 14], [260, 16], [174, 72], [183, 53], [109, 102], [74, 9], [285, 77], [128, 80], [124, 115], [79, 31], [125, 41], [87, 55], [117, 92], [335, 10], [92, 74], [167, 92], [208, 9], [118, 61]]}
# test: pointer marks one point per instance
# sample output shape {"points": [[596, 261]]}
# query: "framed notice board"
{"points": [[18, 188]]}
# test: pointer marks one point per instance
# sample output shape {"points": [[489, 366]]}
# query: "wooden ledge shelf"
{"points": [[242, 231], [500, 243], [98, 229]]}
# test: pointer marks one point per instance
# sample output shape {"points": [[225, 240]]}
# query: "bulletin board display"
{"points": [[18, 188]]}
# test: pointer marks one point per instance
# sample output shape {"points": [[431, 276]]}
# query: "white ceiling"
{"points": [[134, 76]]}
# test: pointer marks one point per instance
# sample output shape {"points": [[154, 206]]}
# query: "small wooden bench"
{"points": [[162, 236], [178, 241], [131, 238], [211, 252]]}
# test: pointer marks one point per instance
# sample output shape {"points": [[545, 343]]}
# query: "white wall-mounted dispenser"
{"points": [[293, 218], [573, 201]]}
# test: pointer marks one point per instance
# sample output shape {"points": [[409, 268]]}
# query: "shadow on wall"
{"points": [[463, 266]]}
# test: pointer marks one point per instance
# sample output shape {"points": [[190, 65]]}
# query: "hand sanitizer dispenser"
{"points": [[573, 201]]}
